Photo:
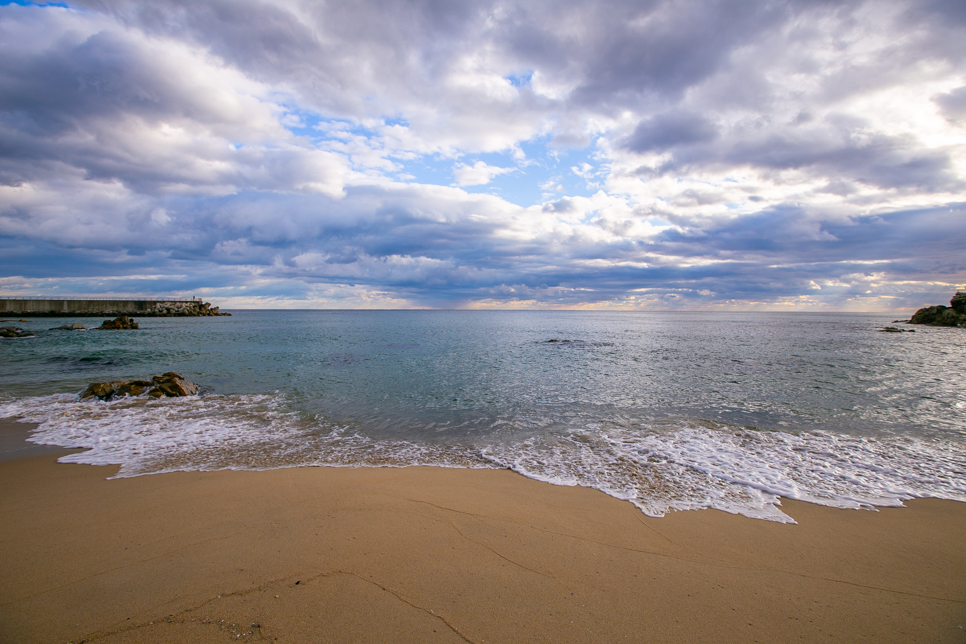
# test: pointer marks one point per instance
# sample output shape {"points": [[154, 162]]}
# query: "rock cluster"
{"points": [[953, 315], [121, 323], [14, 332], [76, 326], [185, 309], [168, 384]]}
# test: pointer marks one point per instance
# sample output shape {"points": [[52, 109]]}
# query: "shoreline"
{"points": [[14, 444], [432, 554]]}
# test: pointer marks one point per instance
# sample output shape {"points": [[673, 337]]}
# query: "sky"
{"points": [[644, 155]]}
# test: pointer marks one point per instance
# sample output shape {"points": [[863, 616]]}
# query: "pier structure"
{"points": [[94, 306]]}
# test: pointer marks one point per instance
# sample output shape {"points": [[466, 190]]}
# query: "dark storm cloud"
{"points": [[614, 53], [665, 131], [836, 148], [338, 56], [660, 49], [879, 160], [84, 105], [790, 236]]}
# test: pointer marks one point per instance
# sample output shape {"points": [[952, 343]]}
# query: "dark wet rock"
{"points": [[121, 323], [76, 326], [576, 344], [893, 329], [169, 384], [15, 332], [940, 315], [134, 388], [174, 384], [102, 390]]}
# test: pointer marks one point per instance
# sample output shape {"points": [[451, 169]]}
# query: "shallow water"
{"points": [[668, 410]]}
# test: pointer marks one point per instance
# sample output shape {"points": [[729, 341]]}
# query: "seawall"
{"points": [[70, 307]]}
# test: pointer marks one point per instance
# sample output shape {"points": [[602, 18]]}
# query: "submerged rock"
{"points": [[895, 329], [168, 384], [76, 326], [121, 323], [954, 315], [15, 332]]}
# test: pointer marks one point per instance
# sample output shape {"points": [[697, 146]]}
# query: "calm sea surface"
{"points": [[667, 410]]}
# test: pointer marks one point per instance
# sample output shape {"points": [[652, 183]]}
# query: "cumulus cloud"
{"points": [[721, 152], [477, 174]]}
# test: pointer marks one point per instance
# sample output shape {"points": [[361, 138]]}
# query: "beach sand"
{"points": [[428, 554]]}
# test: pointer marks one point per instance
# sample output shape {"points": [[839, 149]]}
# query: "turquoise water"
{"points": [[668, 410]]}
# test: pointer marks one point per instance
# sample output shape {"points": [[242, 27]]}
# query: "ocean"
{"points": [[667, 410]]}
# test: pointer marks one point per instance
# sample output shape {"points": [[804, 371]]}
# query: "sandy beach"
{"points": [[429, 554]]}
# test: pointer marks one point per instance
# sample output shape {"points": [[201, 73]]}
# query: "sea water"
{"points": [[668, 410]]}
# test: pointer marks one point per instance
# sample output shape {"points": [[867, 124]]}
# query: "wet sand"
{"points": [[429, 554], [14, 445]]}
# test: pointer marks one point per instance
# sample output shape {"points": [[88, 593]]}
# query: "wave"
{"points": [[681, 465]]}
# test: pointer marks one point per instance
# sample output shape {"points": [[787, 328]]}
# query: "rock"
{"points": [[76, 326], [169, 384], [15, 332], [121, 323], [195, 308], [893, 329], [134, 388], [174, 384], [926, 315], [102, 390], [942, 315]]}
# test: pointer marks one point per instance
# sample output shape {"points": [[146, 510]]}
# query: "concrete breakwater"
{"points": [[37, 307]]}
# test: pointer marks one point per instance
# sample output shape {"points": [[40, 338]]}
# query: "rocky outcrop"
{"points": [[76, 326], [185, 309], [169, 384], [121, 323], [15, 332], [953, 315]]}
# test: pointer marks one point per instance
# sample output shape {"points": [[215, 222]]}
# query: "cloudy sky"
{"points": [[533, 154]]}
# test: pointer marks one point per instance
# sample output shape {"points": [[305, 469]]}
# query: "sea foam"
{"points": [[674, 465]]}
